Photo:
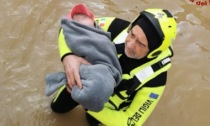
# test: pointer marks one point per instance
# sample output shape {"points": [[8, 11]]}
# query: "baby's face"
{"points": [[83, 19]]}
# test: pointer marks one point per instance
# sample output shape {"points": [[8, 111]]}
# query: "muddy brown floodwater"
{"points": [[28, 51]]}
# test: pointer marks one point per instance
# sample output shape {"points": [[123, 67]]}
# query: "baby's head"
{"points": [[82, 14], [83, 19]]}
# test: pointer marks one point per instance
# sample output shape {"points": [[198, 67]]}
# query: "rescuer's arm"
{"points": [[72, 62]]}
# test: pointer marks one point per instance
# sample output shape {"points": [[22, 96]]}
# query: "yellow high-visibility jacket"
{"points": [[143, 80]]}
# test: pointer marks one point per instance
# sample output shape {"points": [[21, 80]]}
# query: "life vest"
{"points": [[140, 75]]}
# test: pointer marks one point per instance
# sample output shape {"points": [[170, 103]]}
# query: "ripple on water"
{"points": [[192, 18], [28, 50]]}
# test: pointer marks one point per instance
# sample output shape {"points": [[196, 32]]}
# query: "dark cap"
{"points": [[154, 40]]}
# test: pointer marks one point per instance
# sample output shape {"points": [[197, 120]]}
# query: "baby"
{"points": [[87, 40]]}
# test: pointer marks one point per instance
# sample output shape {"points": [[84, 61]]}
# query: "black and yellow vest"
{"points": [[140, 75]]}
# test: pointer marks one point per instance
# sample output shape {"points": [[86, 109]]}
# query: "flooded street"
{"points": [[29, 51]]}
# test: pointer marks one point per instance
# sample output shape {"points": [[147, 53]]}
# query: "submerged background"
{"points": [[28, 51]]}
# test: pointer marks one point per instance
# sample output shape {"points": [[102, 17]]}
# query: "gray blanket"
{"points": [[98, 79]]}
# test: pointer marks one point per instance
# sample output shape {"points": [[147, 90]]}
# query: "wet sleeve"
{"points": [[136, 114]]}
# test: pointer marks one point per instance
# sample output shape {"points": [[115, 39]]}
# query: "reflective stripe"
{"points": [[148, 71], [141, 75], [165, 61], [144, 73]]}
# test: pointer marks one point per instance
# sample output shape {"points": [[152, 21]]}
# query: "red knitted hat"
{"points": [[80, 9]]}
